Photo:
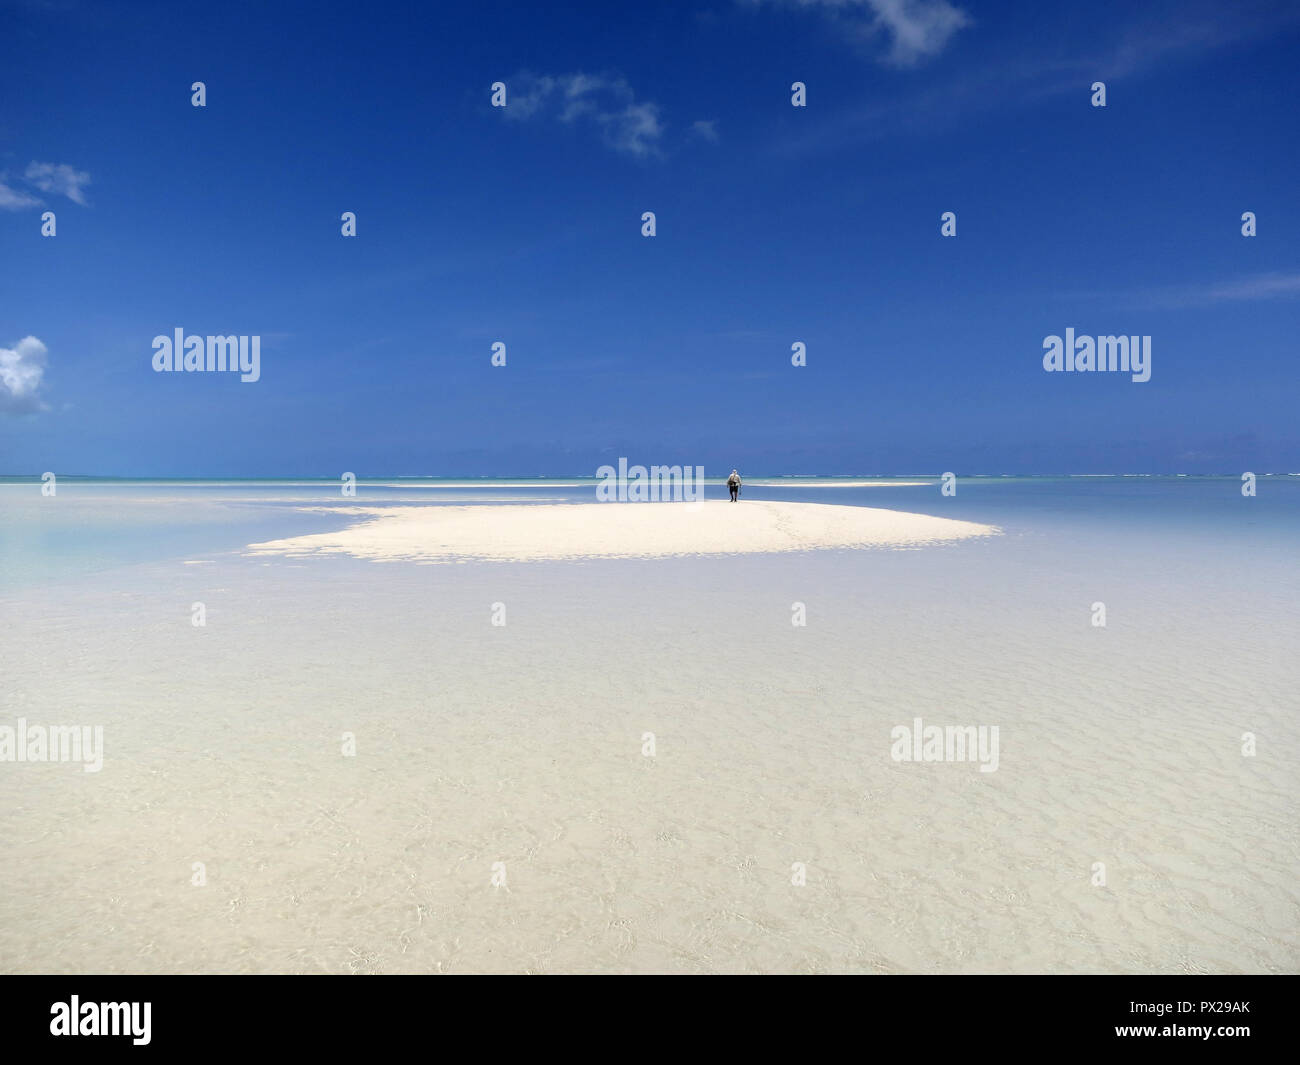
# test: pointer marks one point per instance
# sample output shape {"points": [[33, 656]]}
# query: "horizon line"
{"points": [[36, 477]]}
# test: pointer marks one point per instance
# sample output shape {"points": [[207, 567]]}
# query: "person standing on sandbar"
{"points": [[733, 482]]}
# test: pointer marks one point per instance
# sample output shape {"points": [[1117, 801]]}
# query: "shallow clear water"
{"points": [[91, 525], [522, 744]]}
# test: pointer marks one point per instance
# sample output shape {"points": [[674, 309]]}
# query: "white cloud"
{"points": [[609, 103], [526, 94], [59, 178], [22, 368], [15, 199], [706, 129], [635, 130], [920, 28], [1244, 290], [917, 29]]}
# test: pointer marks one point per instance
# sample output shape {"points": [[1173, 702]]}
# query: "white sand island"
{"points": [[530, 532]]}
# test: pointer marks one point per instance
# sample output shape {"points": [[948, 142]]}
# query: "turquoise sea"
{"points": [[94, 524], [350, 751]]}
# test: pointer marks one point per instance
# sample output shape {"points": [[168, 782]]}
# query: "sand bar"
{"points": [[617, 530], [838, 484]]}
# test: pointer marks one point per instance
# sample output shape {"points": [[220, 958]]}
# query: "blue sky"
{"points": [[775, 224]]}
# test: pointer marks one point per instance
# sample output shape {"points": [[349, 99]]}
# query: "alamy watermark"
{"points": [[240, 354], [75, 1017], [55, 743], [654, 484], [946, 743], [1113, 354]]}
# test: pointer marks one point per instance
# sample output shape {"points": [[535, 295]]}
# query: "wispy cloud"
{"points": [[914, 29], [22, 369], [15, 199], [59, 178], [1165, 34], [708, 130], [1185, 29], [1248, 289], [607, 102]]}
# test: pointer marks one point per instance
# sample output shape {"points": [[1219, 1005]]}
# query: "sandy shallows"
{"points": [[520, 533]]}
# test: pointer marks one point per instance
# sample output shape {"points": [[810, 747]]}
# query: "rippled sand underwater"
{"points": [[522, 744]]}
